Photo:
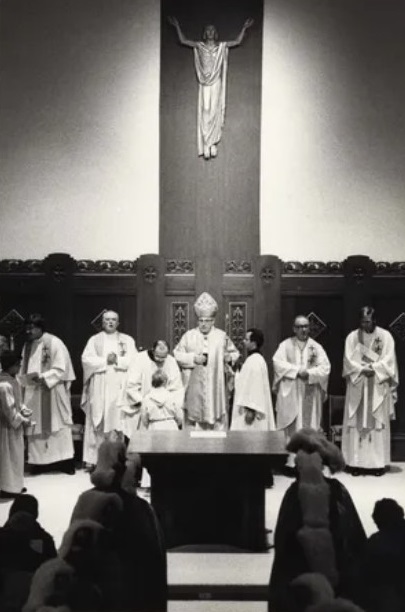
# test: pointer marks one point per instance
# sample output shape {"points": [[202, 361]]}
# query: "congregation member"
{"points": [[134, 527], [382, 587], [318, 528], [204, 354], [13, 417], [24, 547], [46, 376], [252, 406], [371, 373], [106, 360], [159, 411], [148, 363], [301, 374]]}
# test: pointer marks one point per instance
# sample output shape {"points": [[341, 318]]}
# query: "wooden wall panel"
{"points": [[155, 296], [210, 207]]}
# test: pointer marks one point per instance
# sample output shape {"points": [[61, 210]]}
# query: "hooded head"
{"points": [[111, 466]]}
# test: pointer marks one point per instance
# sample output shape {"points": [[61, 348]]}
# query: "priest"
{"points": [[252, 406], [370, 369], [46, 376], [139, 384], [204, 354], [106, 360], [301, 373]]}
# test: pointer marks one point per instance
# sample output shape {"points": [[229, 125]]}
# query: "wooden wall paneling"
{"points": [[210, 206], [151, 323], [22, 291], [390, 310], [267, 302], [59, 269], [237, 292], [358, 271], [179, 299]]}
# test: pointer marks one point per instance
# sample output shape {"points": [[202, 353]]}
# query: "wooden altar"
{"points": [[210, 489]]}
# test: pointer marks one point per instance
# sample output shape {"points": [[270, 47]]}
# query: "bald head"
{"points": [[160, 352], [301, 328], [110, 321]]}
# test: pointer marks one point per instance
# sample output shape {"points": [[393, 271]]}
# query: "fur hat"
{"points": [[312, 592], [205, 306], [111, 465], [312, 441]]}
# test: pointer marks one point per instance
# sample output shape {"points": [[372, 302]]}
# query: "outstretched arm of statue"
{"points": [[234, 43], [182, 39]]}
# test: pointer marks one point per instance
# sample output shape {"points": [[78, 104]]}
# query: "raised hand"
{"points": [[248, 23], [173, 21]]}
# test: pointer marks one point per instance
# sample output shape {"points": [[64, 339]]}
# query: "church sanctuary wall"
{"points": [[79, 146], [154, 297], [333, 132]]}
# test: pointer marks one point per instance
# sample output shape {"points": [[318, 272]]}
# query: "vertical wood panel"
{"points": [[210, 207]]}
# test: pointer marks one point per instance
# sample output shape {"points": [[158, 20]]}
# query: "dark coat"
{"points": [[347, 533], [139, 546]]}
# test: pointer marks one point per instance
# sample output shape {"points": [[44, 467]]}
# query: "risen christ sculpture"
{"points": [[211, 63]]}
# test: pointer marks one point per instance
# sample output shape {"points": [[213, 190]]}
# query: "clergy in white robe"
{"points": [[371, 373], [46, 376], [13, 416], [106, 360], [139, 383], [206, 355], [301, 373], [252, 405]]}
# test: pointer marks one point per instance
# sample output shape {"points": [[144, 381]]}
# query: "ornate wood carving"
{"points": [[316, 325], [358, 268], [234, 266], [12, 266], [108, 266], [150, 274], [179, 266], [11, 325], [180, 320], [395, 268], [267, 275], [312, 267], [237, 323], [397, 327]]}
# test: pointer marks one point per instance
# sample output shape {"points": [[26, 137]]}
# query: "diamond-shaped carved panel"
{"points": [[97, 322], [12, 323], [397, 326], [316, 325]]}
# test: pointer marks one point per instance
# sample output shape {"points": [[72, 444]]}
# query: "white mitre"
{"points": [[205, 306]]}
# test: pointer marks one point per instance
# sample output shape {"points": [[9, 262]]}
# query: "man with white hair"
{"points": [[301, 373], [204, 353], [106, 360]]}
